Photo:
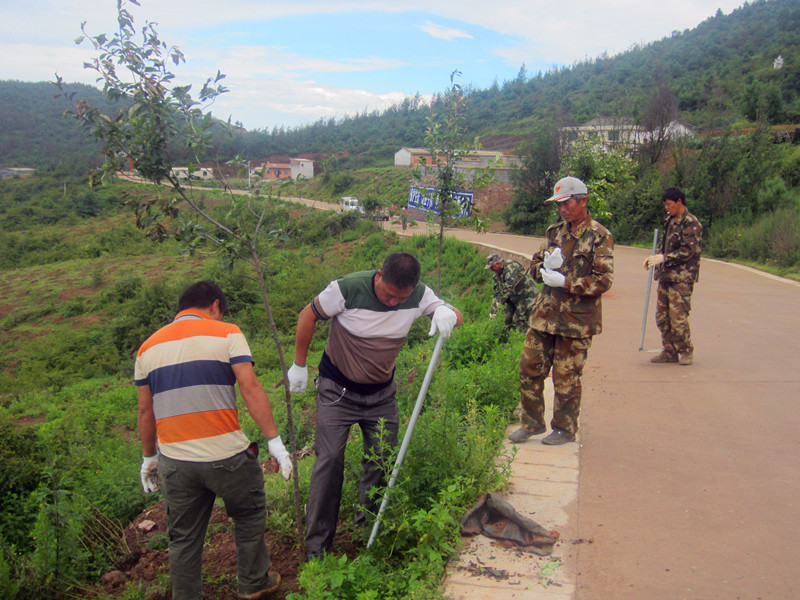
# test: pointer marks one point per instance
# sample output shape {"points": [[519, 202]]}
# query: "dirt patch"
{"points": [[144, 559], [29, 420]]}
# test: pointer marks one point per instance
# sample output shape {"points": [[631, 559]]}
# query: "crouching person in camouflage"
{"points": [[677, 268], [514, 291], [576, 264]]}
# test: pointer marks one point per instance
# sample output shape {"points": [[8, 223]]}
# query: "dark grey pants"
{"points": [[337, 411], [189, 490]]}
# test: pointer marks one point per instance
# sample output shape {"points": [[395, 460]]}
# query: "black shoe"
{"points": [[558, 437], [522, 434]]}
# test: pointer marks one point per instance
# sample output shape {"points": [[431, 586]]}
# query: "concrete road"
{"points": [[688, 477]]}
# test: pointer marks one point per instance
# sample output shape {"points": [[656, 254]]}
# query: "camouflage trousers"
{"points": [[516, 317], [673, 303], [566, 356]]}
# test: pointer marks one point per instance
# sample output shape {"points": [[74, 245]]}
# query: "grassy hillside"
{"points": [[70, 322]]}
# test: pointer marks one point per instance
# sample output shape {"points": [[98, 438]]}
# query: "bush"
{"points": [[773, 239], [153, 306]]}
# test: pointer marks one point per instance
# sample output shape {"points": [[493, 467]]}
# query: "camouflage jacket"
{"points": [[680, 245], [514, 287], [575, 310]]}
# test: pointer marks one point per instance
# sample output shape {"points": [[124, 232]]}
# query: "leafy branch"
{"points": [[445, 139], [159, 120]]}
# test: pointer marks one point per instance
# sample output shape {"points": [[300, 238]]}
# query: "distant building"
{"points": [[501, 163], [291, 169], [496, 196], [621, 131], [301, 167], [16, 171], [778, 64], [202, 173], [274, 170]]}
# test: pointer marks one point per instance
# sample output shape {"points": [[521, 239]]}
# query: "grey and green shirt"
{"points": [[366, 336]]}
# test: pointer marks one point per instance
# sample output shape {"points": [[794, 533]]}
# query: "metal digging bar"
{"points": [[407, 437], [649, 283]]}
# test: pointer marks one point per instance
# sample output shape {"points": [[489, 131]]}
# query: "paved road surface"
{"points": [[689, 484]]}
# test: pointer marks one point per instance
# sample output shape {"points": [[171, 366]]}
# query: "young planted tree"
{"points": [[445, 139], [607, 173], [659, 113], [533, 183], [160, 119]]}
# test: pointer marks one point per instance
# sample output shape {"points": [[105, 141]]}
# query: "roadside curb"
{"points": [[544, 487]]}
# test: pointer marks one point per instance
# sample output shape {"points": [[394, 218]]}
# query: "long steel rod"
{"points": [[647, 297], [407, 437]]}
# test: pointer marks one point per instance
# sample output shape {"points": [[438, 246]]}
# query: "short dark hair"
{"points": [[202, 295], [675, 194], [401, 270]]}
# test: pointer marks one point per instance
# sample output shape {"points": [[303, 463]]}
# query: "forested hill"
{"points": [[33, 132], [722, 72]]}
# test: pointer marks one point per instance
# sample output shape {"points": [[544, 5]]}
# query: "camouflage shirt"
{"points": [[575, 310], [680, 245], [513, 286]]}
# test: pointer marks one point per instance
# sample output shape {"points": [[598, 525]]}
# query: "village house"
{"points": [[293, 169], [202, 173], [621, 131]]}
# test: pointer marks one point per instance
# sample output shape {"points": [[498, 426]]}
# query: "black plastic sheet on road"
{"points": [[494, 517]]}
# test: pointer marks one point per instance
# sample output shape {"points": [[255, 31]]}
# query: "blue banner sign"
{"points": [[422, 197]]}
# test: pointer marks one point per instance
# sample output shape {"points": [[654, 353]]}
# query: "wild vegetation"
{"points": [[72, 320]]}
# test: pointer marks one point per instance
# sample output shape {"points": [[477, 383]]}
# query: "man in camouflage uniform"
{"points": [[677, 268], [514, 290], [576, 264]]}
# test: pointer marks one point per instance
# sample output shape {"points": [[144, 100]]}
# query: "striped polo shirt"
{"points": [[366, 336], [188, 367]]}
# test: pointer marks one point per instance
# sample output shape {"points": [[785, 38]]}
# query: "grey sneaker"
{"points": [[558, 437], [685, 359], [522, 434], [273, 583]]}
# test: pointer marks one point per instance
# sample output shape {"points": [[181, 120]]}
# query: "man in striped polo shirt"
{"points": [[186, 374], [371, 313]]}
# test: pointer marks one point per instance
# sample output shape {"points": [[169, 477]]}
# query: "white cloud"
{"points": [[260, 103], [271, 61], [443, 33], [32, 62]]}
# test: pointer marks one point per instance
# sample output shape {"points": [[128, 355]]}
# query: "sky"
{"points": [[291, 63]]}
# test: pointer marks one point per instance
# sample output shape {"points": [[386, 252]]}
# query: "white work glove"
{"points": [[443, 321], [278, 451], [553, 260], [653, 260], [298, 378], [553, 279], [149, 473]]}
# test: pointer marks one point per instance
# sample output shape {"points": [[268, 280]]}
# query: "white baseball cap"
{"points": [[566, 187]]}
